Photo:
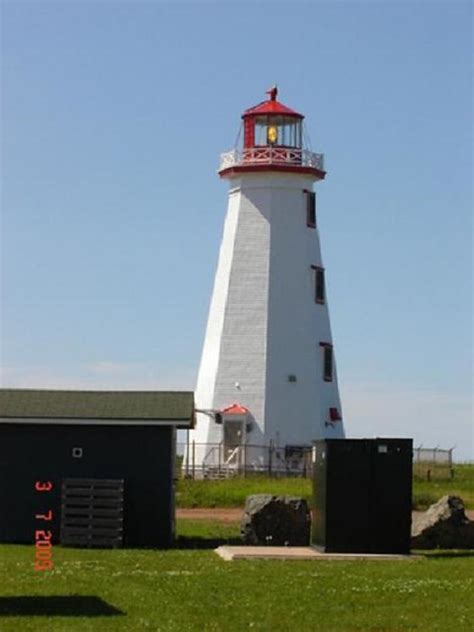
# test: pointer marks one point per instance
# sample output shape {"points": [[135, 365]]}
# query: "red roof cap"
{"points": [[272, 106], [235, 409]]}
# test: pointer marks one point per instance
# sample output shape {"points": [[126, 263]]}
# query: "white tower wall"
{"points": [[264, 324]]}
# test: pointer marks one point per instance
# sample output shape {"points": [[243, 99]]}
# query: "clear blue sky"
{"points": [[114, 115]]}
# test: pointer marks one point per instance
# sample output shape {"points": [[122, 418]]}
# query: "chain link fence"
{"points": [[217, 461], [433, 463]]}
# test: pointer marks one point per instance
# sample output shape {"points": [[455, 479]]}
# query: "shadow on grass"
{"points": [[185, 542], [59, 606]]}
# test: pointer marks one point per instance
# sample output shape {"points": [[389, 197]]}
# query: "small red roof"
{"points": [[272, 106], [235, 409]]}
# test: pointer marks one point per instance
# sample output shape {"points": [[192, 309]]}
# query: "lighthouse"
{"points": [[267, 381]]}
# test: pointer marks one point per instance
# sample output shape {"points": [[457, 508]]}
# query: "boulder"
{"points": [[276, 521], [444, 525]]}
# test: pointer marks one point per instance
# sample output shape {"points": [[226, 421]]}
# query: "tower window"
{"points": [[310, 209], [319, 285], [327, 361]]}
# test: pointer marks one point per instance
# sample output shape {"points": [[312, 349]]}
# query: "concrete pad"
{"points": [[230, 553]]}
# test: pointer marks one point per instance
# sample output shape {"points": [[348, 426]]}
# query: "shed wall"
{"points": [[142, 456]]}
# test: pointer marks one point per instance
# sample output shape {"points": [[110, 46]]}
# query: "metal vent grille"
{"points": [[92, 512]]}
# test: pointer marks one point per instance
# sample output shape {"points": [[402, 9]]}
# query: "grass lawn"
{"points": [[428, 492], [186, 590], [233, 492]]}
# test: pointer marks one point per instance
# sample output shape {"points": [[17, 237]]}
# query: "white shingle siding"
{"points": [[264, 324]]}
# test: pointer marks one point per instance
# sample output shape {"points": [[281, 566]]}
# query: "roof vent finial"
{"points": [[273, 93]]}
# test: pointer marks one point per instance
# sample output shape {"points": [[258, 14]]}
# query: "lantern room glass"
{"points": [[279, 131]]}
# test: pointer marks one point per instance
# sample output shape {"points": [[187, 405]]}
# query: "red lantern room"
{"points": [[273, 141], [272, 124]]}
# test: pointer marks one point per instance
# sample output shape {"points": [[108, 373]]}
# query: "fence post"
{"points": [[270, 456], [194, 459], [186, 465]]}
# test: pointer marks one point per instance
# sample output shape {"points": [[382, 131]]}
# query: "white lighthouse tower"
{"points": [[267, 375]]}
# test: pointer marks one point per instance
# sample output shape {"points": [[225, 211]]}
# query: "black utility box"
{"points": [[362, 495]]}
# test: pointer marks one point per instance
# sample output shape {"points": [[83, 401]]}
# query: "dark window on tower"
{"points": [[310, 209], [327, 361], [319, 285]]}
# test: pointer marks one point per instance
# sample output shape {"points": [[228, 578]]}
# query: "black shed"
{"points": [[99, 465]]}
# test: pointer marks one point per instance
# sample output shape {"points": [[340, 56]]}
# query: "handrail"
{"points": [[235, 451], [271, 155]]}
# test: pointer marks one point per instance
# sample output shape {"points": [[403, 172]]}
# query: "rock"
{"points": [[276, 521], [444, 525]]}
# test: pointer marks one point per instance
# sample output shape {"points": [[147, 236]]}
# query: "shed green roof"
{"points": [[176, 407]]}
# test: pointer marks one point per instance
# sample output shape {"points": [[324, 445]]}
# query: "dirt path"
{"points": [[234, 514], [222, 514]]}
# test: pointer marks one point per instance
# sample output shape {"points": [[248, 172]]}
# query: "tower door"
{"points": [[234, 437]]}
